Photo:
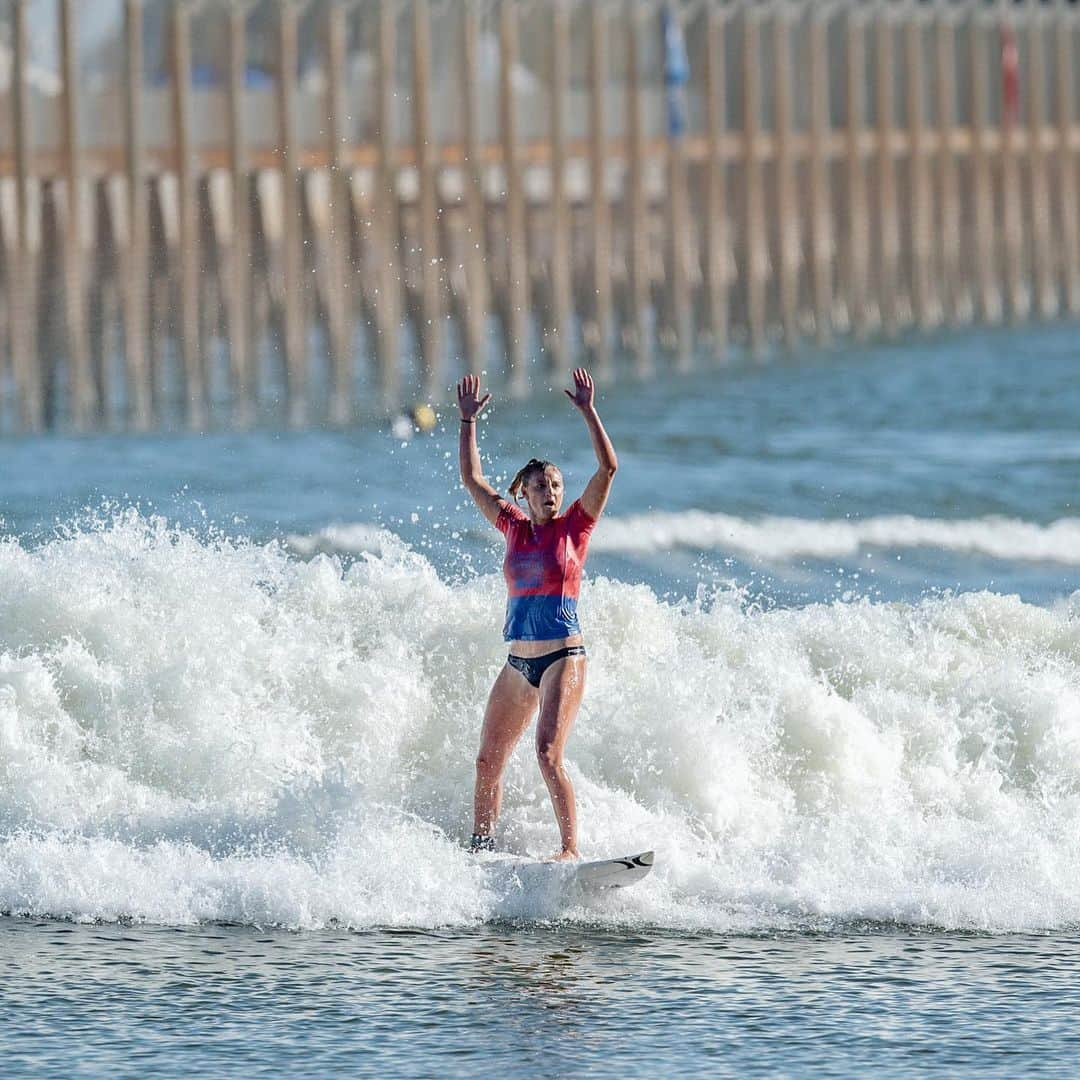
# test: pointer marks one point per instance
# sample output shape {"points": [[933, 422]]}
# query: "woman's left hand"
{"points": [[582, 394]]}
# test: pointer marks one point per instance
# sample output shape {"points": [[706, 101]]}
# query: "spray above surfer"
{"points": [[544, 674]]}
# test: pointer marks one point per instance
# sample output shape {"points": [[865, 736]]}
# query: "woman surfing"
{"points": [[544, 674]]}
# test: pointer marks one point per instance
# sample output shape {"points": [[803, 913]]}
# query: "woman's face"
{"points": [[544, 493]]}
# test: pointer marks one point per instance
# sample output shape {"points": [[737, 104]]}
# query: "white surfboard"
{"points": [[614, 873], [532, 874], [601, 874]]}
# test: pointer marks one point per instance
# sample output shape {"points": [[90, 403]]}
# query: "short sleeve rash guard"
{"points": [[543, 568]]}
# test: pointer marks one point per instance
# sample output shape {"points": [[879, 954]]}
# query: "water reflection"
{"points": [[532, 1000]]}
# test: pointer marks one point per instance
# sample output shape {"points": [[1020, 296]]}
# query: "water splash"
{"points": [[194, 727]]}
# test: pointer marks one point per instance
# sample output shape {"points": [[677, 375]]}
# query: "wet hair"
{"points": [[533, 465]]}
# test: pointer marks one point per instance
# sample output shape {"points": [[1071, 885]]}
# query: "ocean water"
{"points": [[834, 682]]}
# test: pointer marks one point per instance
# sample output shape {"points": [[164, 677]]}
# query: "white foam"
{"points": [[203, 729], [772, 539], [346, 539], [784, 538]]}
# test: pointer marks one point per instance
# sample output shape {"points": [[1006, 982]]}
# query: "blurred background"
{"points": [[289, 213]]}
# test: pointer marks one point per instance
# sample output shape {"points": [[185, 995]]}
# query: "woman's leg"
{"points": [[561, 689], [510, 709]]}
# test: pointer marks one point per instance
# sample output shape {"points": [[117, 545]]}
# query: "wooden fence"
{"points": [[238, 212]]}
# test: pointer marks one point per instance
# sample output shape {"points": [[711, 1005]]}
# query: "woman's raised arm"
{"points": [[471, 405], [595, 495]]}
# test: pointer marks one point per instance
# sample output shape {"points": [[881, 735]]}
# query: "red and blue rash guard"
{"points": [[543, 567]]}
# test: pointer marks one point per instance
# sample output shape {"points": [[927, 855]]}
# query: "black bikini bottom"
{"points": [[533, 667]]}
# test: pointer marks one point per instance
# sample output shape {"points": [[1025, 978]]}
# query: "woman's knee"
{"points": [[549, 755]]}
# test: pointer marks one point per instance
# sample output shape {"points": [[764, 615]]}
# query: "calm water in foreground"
{"points": [[834, 682], [533, 1001]]}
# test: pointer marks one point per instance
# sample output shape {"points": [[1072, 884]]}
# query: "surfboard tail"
{"points": [[615, 873]]}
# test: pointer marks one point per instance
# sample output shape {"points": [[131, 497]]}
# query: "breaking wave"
{"points": [[198, 728]]}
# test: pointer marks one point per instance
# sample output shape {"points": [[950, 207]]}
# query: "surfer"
{"points": [[544, 674]]}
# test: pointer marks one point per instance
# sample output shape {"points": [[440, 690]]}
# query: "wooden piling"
{"points": [[52, 318], [24, 337], [639, 293], [104, 299], [561, 332], [926, 304], [8, 231], [339, 309], [238, 301], [292, 257], [955, 303], [162, 318], [857, 240], [83, 398], [680, 249], [787, 208], [134, 261], [187, 251], [1042, 246], [822, 241], [190, 254], [598, 337], [1016, 291], [1068, 218], [476, 294], [263, 276], [387, 263], [430, 328], [717, 239], [888, 277], [517, 295], [755, 243], [984, 234]]}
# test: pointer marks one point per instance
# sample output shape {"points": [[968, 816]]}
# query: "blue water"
{"points": [[229, 1001], [834, 681]]}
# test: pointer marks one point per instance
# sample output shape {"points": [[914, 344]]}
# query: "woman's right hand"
{"points": [[468, 397]]}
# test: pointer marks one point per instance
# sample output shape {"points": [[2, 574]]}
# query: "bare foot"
{"points": [[565, 856]]}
